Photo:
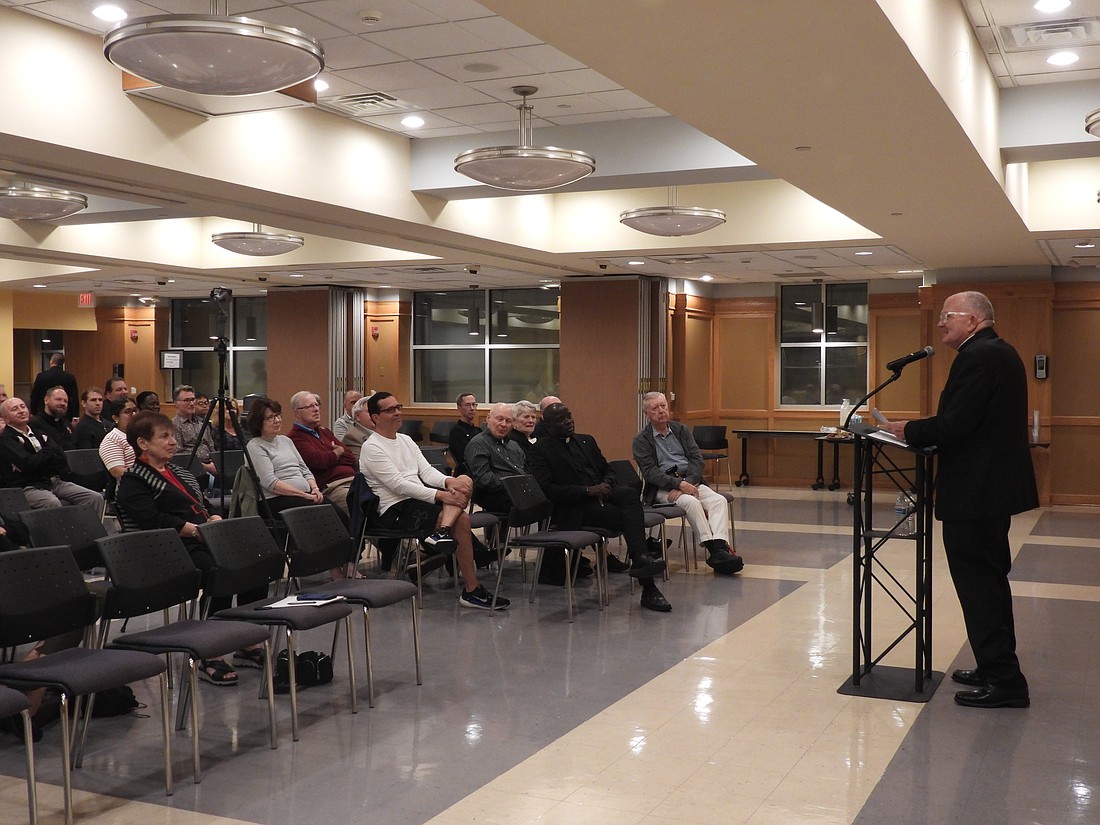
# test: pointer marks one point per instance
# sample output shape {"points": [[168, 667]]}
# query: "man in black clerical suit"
{"points": [[576, 477], [985, 477]]}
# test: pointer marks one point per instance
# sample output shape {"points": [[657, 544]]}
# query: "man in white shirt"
{"points": [[414, 496]]}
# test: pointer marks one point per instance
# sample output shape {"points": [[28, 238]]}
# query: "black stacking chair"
{"points": [[42, 594], [78, 527], [715, 447], [13, 702], [247, 557], [151, 570], [88, 471], [441, 432], [411, 427], [531, 507], [13, 503], [627, 474], [318, 543], [437, 457]]}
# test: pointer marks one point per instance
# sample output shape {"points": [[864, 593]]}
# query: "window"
{"points": [[197, 324], [822, 343], [500, 344]]}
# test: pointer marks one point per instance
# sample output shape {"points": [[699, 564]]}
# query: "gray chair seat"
{"points": [[79, 671], [295, 618], [372, 592]]}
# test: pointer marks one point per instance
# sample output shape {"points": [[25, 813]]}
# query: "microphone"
{"points": [[898, 364]]}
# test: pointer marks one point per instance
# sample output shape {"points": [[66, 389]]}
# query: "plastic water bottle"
{"points": [[845, 408], [905, 521]]}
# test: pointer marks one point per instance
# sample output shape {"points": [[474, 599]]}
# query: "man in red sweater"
{"points": [[333, 465]]}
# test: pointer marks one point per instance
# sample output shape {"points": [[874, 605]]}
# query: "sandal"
{"points": [[217, 672], [253, 657]]}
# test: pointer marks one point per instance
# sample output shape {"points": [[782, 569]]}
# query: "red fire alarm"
{"points": [[133, 334], [374, 331]]}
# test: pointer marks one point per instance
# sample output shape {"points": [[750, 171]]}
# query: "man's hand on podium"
{"points": [[896, 429]]}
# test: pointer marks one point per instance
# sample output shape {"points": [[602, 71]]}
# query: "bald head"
{"points": [[499, 421], [547, 401]]}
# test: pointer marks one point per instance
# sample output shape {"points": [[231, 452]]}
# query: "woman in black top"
{"points": [[153, 494]]}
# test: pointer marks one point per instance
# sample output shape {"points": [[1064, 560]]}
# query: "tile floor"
{"points": [[725, 711]]}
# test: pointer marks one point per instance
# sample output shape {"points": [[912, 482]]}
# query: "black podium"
{"points": [[879, 455]]}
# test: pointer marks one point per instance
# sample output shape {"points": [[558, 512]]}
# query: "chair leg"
{"points": [[193, 681], [166, 725], [367, 653], [186, 695], [351, 666], [535, 576], [291, 654], [269, 683], [416, 641], [66, 756], [569, 574], [32, 785]]}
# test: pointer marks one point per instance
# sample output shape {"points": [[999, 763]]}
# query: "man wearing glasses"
{"points": [[332, 464], [188, 423], [985, 477], [414, 496]]}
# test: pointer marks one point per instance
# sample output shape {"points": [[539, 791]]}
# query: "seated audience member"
{"points": [[360, 429], [576, 477], [492, 455], [463, 430], [115, 389], [115, 451], [342, 424], [285, 479], [188, 425], [331, 463], [540, 430], [3, 393], [414, 496], [93, 425], [525, 416], [54, 420], [148, 401], [152, 495], [672, 469], [227, 430], [202, 404], [33, 462]]}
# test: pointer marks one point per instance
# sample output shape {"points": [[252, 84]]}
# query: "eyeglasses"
{"points": [[393, 409], [309, 407], [945, 315], [272, 417], [190, 400]]}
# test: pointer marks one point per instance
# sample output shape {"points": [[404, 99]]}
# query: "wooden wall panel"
{"points": [[298, 347], [697, 397], [744, 346], [896, 332]]}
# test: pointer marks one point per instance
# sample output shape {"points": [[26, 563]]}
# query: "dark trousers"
{"points": [[622, 512], [979, 558]]}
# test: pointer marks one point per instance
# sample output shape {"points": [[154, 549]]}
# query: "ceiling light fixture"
{"points": [[412, 121], [214, 54], [1051, 6], [525, 168], [1063, 58], [257, 242], [28, 202], [672, 221], [1084, 245], [817, 318]]}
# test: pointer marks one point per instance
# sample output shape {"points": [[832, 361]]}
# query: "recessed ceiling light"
{"points": [[1051, 6], [865, 253], [1084, 245], [39, 286], [109, 14], [546, 280], [412, 121], [707, 278], [46, 341], [910, 272], [385, 286], [1063, 59], [320, 85], [635, 263], [481, 68], [297, 275]]}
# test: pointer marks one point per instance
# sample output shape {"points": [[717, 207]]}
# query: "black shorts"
{"points": [[411, 515]]}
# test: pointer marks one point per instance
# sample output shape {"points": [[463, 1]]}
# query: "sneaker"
{"points": [[441, 541], [481, 599]]}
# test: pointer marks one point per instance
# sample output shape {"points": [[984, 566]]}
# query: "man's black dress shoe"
{"points": [[654, 599], [615, 564], [974, 678], [644, 566], [992, 696]]}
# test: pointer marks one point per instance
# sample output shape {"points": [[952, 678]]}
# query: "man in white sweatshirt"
{"points": [[414, 496]]}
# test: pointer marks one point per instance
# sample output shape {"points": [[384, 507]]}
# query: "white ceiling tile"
{"points": [[453, 66], [499, 32], [545, 58], [348, 14], [393, 77], [431, 41], [307, 23], [454, 9], [487, 113], [352, 51], [585, 80], [623, 100], [446, 96]]}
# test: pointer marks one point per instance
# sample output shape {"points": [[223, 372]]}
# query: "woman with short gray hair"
{"points": [[524, 417]]}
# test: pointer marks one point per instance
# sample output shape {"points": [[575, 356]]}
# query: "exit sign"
{"points": [[85, 299]]}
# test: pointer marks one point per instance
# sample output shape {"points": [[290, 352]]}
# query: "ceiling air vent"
{"points": [[1084, 31], [361, 105]]}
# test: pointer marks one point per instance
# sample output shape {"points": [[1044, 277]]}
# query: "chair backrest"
{"points": [[88, 468], [625, 473], [42, 594], [437, 457], [149, 570], [77, 527], [319, 540], [13, 503], [710, 437], [529, 503], [234, 460], [441, 432], [411, 427], [246, 557], [248, 401]]}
